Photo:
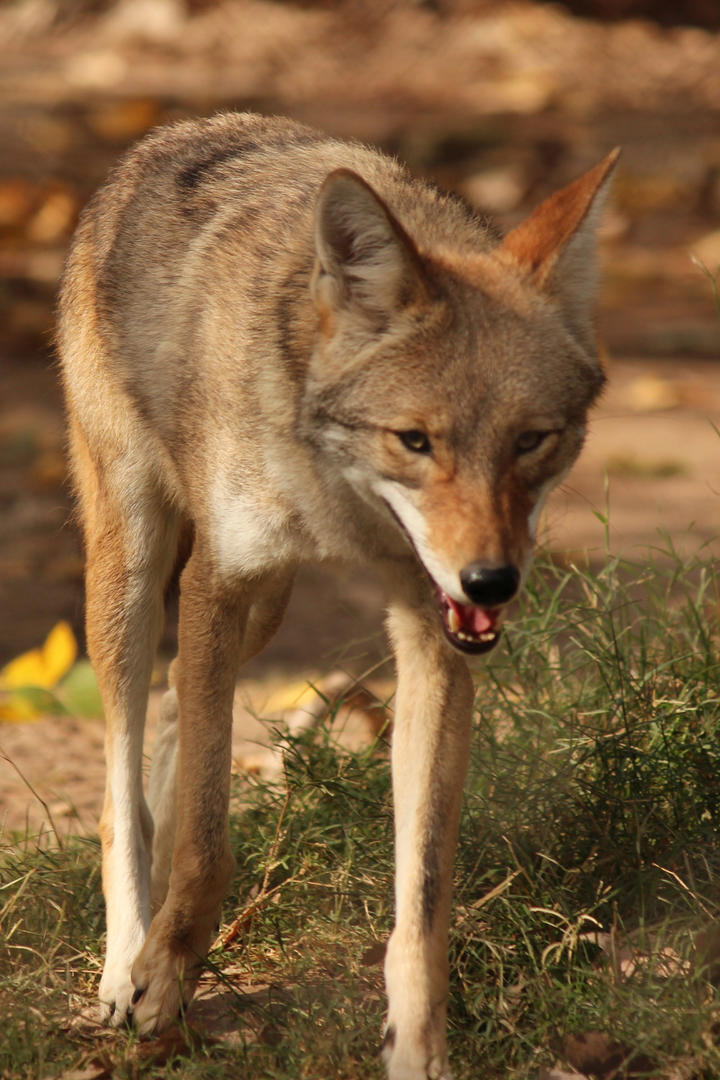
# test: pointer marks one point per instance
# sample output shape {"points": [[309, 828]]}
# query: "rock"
{"points": [[706, 251], [498, 190], [650, 393]]}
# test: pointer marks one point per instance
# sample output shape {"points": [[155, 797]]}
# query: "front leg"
{"points": [[210, 635], [431, 739]]}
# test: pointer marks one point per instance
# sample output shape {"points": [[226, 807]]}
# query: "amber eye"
{"points": [[529, 441], [417, 441]]}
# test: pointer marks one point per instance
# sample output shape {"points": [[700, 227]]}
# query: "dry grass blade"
{"points": [[242, 921]]}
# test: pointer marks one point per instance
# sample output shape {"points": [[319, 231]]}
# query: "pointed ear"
{"points": [[555, 246], [365, 259]]}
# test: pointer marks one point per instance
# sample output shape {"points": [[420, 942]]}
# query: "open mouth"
{"points": [[469, 628]]}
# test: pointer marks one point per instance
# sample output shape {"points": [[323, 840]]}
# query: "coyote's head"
{"points": [[451, 378]]}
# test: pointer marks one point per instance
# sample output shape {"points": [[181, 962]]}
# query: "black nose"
{"points": [[488, 586]]}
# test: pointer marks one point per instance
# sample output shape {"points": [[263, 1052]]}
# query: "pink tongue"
{"points": [[474, 619]]}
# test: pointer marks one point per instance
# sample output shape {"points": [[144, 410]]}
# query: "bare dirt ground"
{"points": [[504, 102]]}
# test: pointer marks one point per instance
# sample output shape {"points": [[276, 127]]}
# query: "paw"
{"points": [[164, 976], [409, 1059], [430, 1070], [116, 993], [163, 986]]}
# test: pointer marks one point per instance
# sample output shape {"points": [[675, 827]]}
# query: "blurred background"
{"points": [[503, 101]]}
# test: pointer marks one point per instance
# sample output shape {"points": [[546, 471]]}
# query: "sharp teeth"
{"points": [[489, 635], [453, 621]]}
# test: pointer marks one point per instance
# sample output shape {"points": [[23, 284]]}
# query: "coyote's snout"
{"points": [[285, 347]]}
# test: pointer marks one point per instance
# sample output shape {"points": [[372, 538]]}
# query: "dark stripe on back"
{"points": [[199, 171]]}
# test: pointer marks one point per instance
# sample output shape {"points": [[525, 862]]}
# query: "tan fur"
{"points": [[287, 348]]}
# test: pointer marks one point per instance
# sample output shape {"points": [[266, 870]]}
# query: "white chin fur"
{"points": [[397, 497]]}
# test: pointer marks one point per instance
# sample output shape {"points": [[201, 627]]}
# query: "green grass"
{"points": [[589, 858]]}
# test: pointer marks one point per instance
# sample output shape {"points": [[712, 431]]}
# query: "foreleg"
{"points": [[430, 748]]}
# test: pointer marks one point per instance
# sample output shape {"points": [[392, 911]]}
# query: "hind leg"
{"points": [[220, 625], [131, 539], [124, 614], [265, 612], [162, 791]]}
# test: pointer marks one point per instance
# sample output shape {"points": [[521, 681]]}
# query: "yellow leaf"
{"points": [[291, 696], [16, 710], [60, 652], [29, 703], [43, 667]]}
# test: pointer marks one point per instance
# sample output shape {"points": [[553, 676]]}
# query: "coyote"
{"points": [[281, 347]]}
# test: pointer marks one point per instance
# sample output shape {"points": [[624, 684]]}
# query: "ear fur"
{"points": [[365, 259], [555, 246]]}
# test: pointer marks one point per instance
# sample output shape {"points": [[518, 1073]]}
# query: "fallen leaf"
{"points": [[27, 682], [28, 703], [43, 667]]}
